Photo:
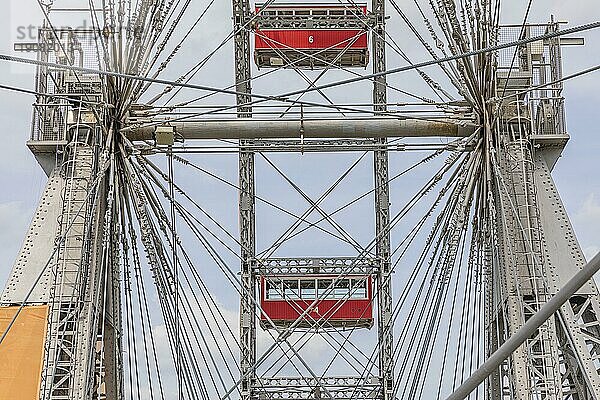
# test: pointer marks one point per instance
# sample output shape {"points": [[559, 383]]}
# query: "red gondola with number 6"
{"points": [[313, 36]]}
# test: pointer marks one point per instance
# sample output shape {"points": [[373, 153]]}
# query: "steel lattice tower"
{"points": [[251, 388]]}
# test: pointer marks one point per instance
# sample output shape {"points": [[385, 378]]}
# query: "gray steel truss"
{"points": [[578, 325], [70, 341], [382, 212], [325, 266], [241, 17], [252, 386], [539, 252], [68, 245], [339, 387], [351, 18], [523, 283]]}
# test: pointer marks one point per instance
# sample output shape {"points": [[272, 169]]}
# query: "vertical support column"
{"points": [[512, 273], [382, 211], [70, 343], [535, 366], [539, 253], [579, 330], [556, 74], [109, 361], [241, 13]]}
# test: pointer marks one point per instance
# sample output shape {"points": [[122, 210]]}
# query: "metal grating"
{"points": [[523, 68], [51, 110]]}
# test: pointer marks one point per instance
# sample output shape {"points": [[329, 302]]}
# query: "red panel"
{"points": [[311, 39], [335, 310]]}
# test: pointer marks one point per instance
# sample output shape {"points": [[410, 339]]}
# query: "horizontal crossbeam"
{"points": [[326, 266], [316, 128], [314, 22], [308, 388]]}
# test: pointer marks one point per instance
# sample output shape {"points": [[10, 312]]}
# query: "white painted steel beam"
{"points": [[344, 128]]}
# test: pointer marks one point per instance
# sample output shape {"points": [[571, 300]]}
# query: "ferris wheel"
{"points": [[280, 200]]}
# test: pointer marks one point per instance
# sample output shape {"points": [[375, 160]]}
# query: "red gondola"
{"points": [[337, 302], [311, 36]]}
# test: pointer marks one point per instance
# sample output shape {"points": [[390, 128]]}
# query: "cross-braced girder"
{"points": [[250, 268], [535, 260]]}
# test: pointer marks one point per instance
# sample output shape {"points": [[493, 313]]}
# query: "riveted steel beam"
{"points": [[342, 128]]}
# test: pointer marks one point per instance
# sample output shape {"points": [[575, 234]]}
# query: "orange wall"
{"points": [[21, 352]]}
